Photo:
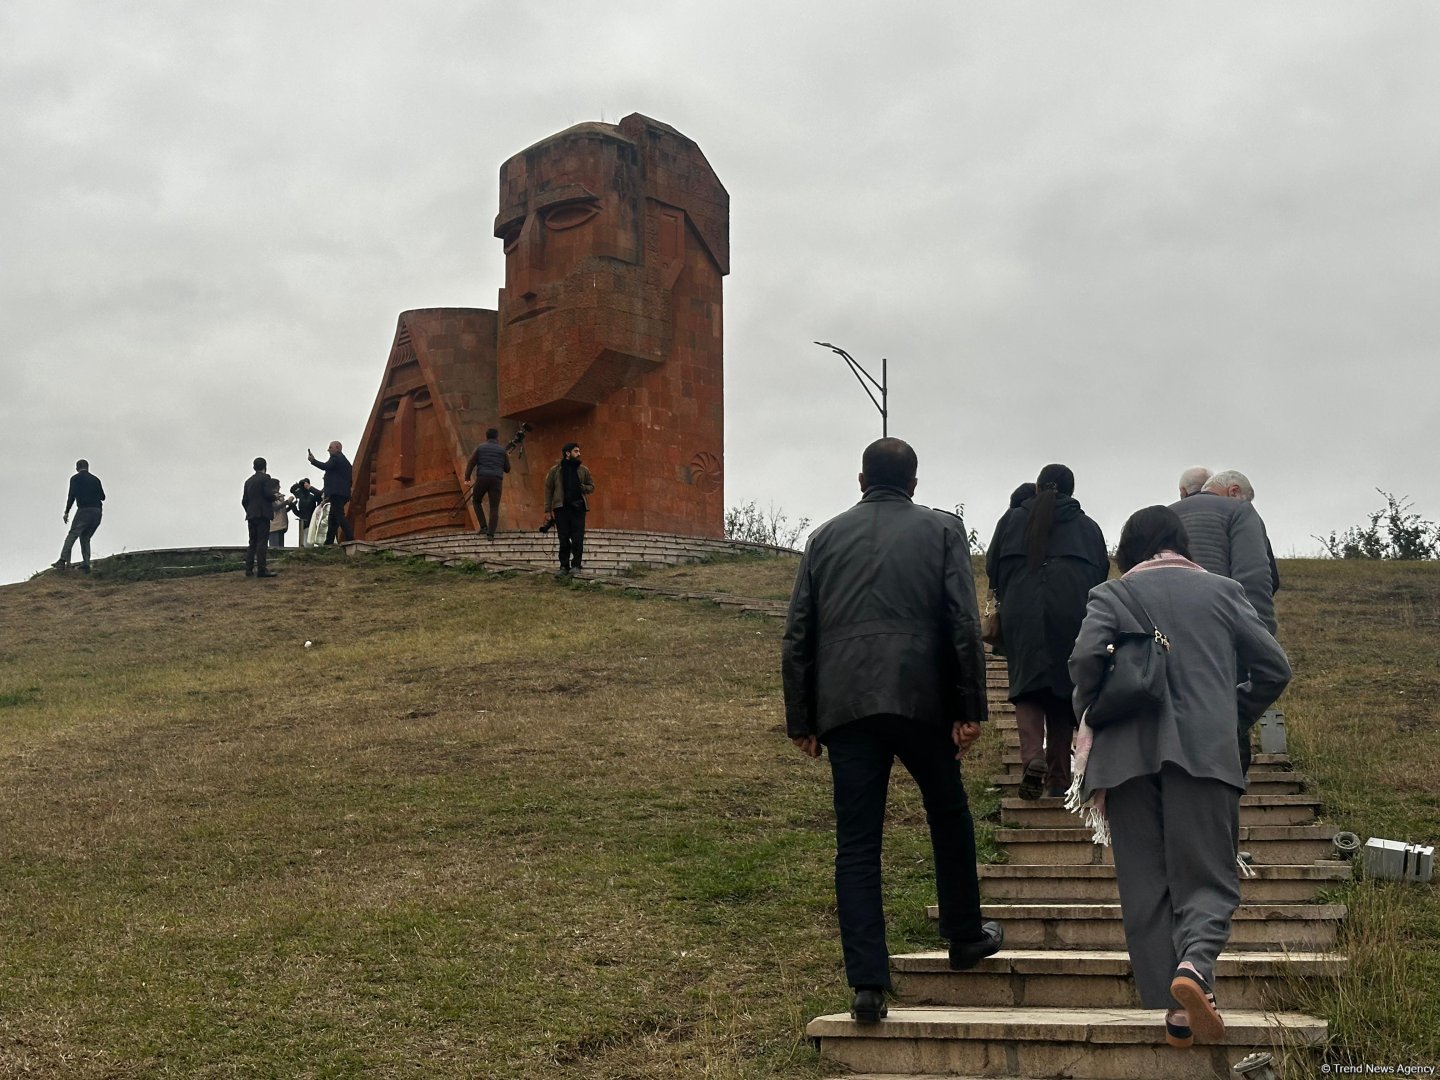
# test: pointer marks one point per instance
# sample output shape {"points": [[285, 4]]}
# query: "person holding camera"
{"points": [[567, 487], [307, 498]]}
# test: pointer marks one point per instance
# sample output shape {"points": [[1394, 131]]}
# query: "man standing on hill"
{"points": [[87, 495], [259, 504], [337, 490], [881, 659], [568, 486], [489, 463]]}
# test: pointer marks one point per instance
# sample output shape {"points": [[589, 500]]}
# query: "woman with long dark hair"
{"points": [[1045, 558], [1167, 789]]}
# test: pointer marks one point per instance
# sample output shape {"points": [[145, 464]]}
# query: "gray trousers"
{"points": [[1174, 837], [82, 527]]}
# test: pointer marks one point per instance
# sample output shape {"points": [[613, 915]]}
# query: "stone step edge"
{"points": [[1095, 1026], [1259, 911], [1051, 803], [1067, 962], [1333, 870], [1077, 833]]}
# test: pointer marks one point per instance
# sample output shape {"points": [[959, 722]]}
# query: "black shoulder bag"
{"points": [[1132, 685]]}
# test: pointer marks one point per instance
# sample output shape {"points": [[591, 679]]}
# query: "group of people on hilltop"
{"points": [[267, 510], [882, 658], [321, 511]]}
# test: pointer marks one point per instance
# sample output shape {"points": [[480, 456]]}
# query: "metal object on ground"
{"points": [[1272, 732], [1346, 844], [1395, 860], [1258, 1066]]}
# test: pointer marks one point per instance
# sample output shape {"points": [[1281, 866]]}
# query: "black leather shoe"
{"points": [[266, 573], [249, 573], [964, 955], [869, 1006]]}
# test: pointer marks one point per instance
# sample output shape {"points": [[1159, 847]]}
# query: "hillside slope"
{"points": [[514, 828]]}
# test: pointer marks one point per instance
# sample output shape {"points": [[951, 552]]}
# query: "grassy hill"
{"points": [[509, 827]]}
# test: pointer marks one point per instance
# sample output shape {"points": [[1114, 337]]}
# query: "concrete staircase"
{"points": [[1059, 1000], [608, 552]]}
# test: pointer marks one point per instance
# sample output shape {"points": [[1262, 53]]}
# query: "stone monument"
{"points": [[608, 333]]}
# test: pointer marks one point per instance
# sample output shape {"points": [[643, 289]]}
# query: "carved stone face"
{"points": [[586, 306]]}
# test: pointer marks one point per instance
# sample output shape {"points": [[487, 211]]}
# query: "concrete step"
{"points": [[1305, 927], [1052, 978], [1085, 884], [1289, 783], [1254, 810], [1260, 763], [1269, 844], [1087, 1044]]}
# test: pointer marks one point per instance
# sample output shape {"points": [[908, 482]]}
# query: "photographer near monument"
{"points": [[881, 659], [567, 487]]}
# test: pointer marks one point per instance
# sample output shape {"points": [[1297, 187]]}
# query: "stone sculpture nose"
{"points": [[529, 258]]}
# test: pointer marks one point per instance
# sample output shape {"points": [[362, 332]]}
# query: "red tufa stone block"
{"points": [[607, 333]]}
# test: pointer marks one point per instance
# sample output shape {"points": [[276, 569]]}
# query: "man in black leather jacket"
{"points": [[881, 658]]}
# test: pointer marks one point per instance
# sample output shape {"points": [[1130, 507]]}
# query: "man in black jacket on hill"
{"points": [[87, 495], [337, 490], [258, 499], [881, 658]]}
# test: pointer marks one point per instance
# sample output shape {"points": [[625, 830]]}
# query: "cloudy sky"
{"points": [[1130, 237]]}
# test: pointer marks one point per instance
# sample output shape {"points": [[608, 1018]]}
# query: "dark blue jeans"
{"points": [[861, 755]]}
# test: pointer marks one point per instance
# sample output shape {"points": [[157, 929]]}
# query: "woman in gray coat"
{"points": [[1170, 788]]}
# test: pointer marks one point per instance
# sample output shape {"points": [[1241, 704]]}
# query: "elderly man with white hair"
{"points": [[1227, 537], [1192, 480]]}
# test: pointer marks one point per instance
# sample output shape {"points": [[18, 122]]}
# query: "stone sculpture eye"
{"points": [[569, 215], [511, 236]]}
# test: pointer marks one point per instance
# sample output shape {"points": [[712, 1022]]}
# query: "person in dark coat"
{"points": [[881, 658], [337, 490], [1045, 557], [258, 499], [307, 498]]}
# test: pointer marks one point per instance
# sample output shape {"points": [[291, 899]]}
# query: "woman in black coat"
{"points": [[1043, 561]]}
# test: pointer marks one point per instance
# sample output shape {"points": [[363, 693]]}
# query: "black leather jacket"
{"points": [[883, 620]]}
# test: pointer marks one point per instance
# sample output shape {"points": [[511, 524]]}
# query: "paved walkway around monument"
{"points": [[609, 553], [1058, 1000]]}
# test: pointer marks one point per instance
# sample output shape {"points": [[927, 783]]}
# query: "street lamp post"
{"points": [[862, 376]]}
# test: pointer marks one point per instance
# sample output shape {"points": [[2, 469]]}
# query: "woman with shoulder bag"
{"points": [[1167, 780], [1045, 557]]}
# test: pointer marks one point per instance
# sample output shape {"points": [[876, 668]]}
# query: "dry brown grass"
{"points": [[481, 827]]}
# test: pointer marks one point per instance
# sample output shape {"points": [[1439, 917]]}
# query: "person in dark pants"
{"points": [[489, 463], [87, 495], [337, 490], [881, 659], [259, 502], [567, 489], [306, 499], [1043, 560]]}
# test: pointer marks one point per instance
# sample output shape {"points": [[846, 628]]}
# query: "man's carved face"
{"points": [[585, 296]]}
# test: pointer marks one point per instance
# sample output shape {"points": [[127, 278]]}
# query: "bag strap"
{"points": [[1133, 605]]}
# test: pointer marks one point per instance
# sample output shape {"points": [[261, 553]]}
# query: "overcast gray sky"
{"points": [[1130, 237]]}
